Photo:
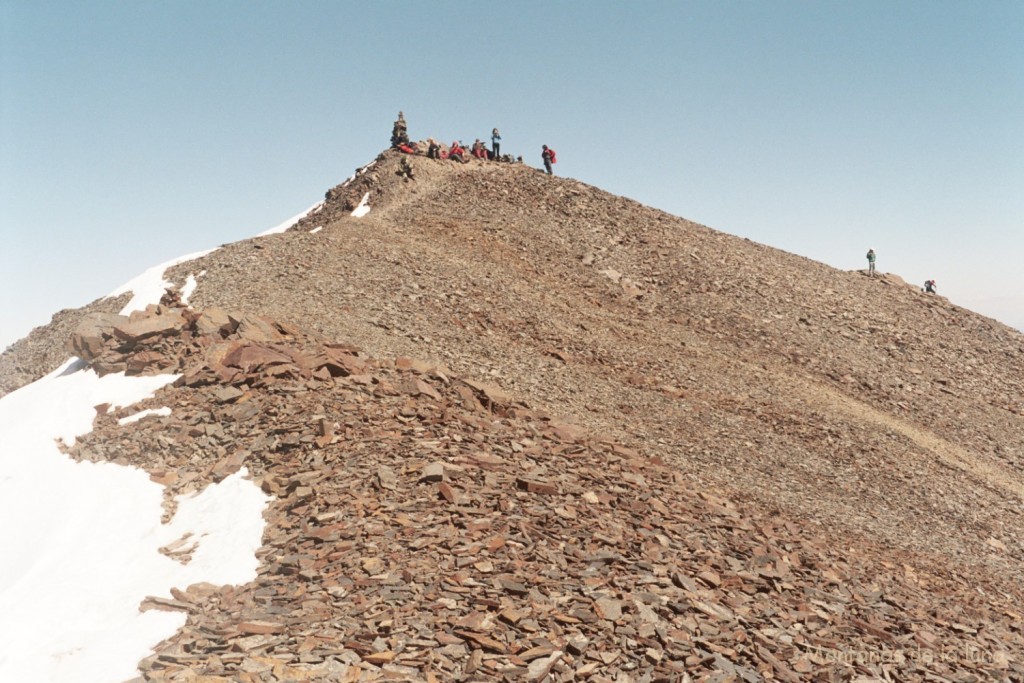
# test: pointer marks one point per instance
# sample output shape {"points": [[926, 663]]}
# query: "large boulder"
{"points": [[92, 334]]}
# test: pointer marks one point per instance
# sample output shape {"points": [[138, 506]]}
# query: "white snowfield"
{"points": [[81, 540]]}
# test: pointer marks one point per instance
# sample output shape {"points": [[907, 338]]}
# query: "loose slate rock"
{"points": [[615, 573]]}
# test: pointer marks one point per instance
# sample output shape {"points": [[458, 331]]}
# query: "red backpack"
{"points": [[551, 153]]}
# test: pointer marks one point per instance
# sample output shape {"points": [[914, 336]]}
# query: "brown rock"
{"points": [[228, 465], [146, 360], [255, 329], [540, 668], [379, 658], [432, 472], [250, 357], [608, 608], [492, 392], [448, 493], [386, 478], [482, 640], [227, 394], [90, 335], [534, 486], [214, 322], [255, 627], [134, 331]]}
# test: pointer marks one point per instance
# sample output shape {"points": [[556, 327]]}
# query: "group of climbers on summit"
{"points": [[457, 151]]}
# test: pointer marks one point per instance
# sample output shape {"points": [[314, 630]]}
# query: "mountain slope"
{"points": [[873, 425], [425, 526], [859, 402]]}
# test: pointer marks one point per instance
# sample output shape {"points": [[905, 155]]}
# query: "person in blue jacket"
{"points": [[495, 144]]}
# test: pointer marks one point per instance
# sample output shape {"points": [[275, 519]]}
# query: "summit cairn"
{"points": [[399, 132]]}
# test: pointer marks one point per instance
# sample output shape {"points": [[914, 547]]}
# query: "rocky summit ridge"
{"points": [[517, 428]]}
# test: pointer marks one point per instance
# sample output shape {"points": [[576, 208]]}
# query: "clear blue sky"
{"points": [[132, 133]]}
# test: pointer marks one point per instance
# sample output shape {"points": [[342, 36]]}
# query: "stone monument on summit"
{"points": [[399, 136]]}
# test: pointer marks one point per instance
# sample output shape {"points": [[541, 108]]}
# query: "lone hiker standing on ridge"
{"points": [[495, 144], [871, 262], [548, 155]]}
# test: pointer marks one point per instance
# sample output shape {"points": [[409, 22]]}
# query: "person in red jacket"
{"points": [[548, 155], [457, 152]]}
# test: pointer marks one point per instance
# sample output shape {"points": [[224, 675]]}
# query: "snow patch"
{"points": [[161, 412], [359, 172], [147, 288], [189, 288], [291, 221], [363, 207]]}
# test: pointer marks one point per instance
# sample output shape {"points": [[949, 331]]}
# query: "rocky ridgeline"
{"points": [[425, 527]]}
